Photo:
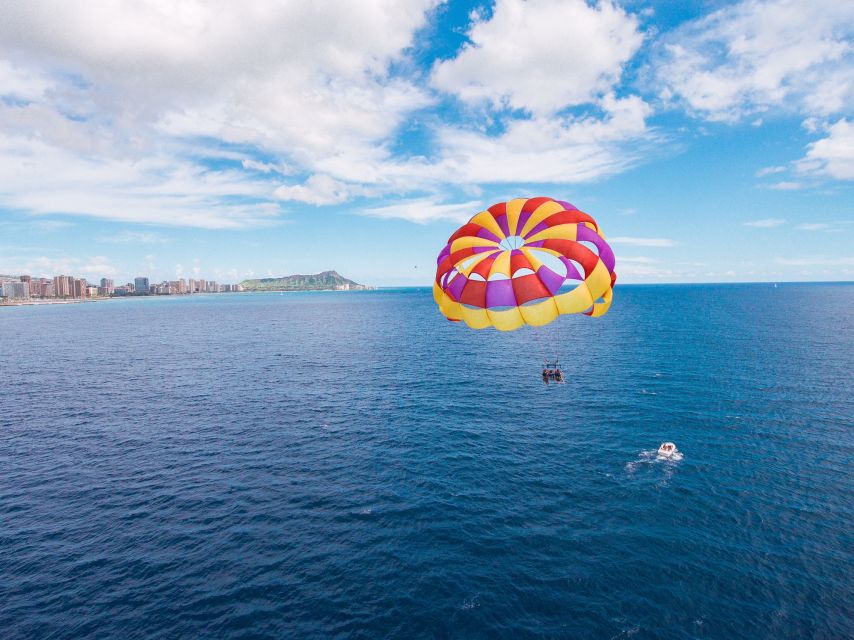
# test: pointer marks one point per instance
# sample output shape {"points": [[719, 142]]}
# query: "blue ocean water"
{"points": [[352, 465]]}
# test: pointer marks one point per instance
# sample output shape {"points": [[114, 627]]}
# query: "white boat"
{"points": [[667, 450]]}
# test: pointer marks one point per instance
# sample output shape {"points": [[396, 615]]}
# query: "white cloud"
{"points": [[813, 226], [642, 242], [136, 112], [98, 267], [557, 150], [45, 178], [765, 223], [767, 171], [135, 237], [541, 55], [785, 185], [21, 84], [317, 190], [423, 211], [91, 268], [118, 107], [116, 97], [833, 155], [267, 167], [759, 55]]}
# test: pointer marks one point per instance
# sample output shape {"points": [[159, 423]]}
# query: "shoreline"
{"points": [[35, 303], [49, 301]]}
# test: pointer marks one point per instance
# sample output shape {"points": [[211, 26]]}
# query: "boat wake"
{"points": [[651, 457]]}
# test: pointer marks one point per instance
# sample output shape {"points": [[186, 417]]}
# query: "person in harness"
{"points": [[552, 371]]}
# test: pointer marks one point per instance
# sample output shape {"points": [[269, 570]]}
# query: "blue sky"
{"points": [[713, 141]]}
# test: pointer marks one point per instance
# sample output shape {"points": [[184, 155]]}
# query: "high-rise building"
{"points": [[140, 285], [63, 286], [201, 288], [107, 284], [38, 287], [191, 286], [15, 290], [79, 288]]}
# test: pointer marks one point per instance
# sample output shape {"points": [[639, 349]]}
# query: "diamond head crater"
{"points": [[323, 281]]}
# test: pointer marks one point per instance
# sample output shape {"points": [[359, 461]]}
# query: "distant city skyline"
{"points": [[64, 287], [713, 142]]}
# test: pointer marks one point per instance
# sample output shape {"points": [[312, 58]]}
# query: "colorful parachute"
{"points": [[503, 268]]}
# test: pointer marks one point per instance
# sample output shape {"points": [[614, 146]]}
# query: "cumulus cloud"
{"points": [[759, 55], [203, 114], [832, 155], [541, 55], [549, 149], [129, 95], [191, 113]]}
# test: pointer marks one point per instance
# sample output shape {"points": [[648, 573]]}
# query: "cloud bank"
{"points": [[221, 115]]}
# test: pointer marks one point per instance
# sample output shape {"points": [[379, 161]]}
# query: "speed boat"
{"points": [[667, 450]]}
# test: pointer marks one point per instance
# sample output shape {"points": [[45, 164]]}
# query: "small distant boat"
{"points": [[667, 450]]}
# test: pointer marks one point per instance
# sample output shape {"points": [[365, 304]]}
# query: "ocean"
{"points": [[353, 465]]}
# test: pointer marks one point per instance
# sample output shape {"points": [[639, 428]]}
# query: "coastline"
{"points": [[50, 301], [39, 302]]}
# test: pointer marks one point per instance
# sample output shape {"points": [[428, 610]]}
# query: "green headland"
{"points": [[324, 281]]}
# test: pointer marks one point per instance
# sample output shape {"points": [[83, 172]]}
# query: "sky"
{"points": [[712, 141]]}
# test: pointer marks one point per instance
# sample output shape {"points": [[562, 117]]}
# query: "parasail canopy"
{"points": [[525, 261]]}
